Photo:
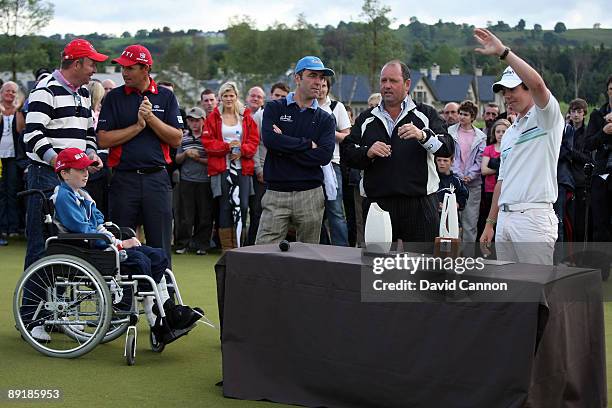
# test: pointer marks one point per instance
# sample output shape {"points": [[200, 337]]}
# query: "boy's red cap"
{"points": [[72, 158]]}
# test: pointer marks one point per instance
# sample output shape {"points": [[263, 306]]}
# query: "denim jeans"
{"points": [[334, 212], [39, 177], [469, 217], [9, 183]]}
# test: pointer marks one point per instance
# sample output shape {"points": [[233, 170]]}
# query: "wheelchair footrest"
{"points": [[172, 335]]}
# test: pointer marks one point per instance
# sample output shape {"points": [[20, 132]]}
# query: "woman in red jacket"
{"points": [[231, 139]]}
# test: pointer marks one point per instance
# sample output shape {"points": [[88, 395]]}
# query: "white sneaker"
{"points": [[39, 334]]}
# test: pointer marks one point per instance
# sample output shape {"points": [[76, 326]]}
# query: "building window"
{"points": [[419, 96]]}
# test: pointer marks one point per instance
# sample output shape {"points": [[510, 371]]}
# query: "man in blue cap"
{"points": [[300, 138]]}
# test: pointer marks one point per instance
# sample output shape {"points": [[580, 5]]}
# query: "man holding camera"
{"points": [[599, 139]]}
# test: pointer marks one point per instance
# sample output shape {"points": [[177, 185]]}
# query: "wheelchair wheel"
{"points": [[61, 291], [118, 326], [156, 345], [130, 349], [122, 312]]}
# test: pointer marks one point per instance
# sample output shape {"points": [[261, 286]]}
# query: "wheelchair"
{"points": [[82, 296]]}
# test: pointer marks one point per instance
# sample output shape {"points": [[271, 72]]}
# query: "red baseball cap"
{"points": [[134, 54], [79, 48], [72, 158]]}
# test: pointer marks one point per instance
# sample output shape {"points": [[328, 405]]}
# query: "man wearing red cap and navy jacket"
{"points": [[59, 117], [139, 122]]}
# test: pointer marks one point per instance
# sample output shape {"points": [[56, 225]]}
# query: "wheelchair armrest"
{"points": [[82, 237], [127, 233], [120, 232]]}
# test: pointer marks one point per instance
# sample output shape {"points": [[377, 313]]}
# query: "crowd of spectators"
{"points": [[240, 164]]}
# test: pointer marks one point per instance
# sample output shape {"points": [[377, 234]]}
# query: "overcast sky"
{"points": [[115, 17]]}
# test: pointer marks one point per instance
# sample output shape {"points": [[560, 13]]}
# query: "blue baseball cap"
{"points": [[313, 64]]}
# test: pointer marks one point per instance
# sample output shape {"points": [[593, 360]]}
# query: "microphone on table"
{"points": [[284, 245]]}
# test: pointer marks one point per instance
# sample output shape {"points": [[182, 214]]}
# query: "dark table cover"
{"points": [[295, 330]]}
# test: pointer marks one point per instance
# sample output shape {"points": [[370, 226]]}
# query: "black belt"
{"points": [[146, 170]]}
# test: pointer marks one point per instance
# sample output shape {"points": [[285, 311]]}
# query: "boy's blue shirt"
{"points": [[77, 212]]}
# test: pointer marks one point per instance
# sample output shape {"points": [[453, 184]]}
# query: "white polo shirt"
{"points": [[342, 122], [529, 155]]}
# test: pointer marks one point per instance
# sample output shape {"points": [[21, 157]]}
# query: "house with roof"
{"points": [[457, 87], [353, 90], [422, 89]]}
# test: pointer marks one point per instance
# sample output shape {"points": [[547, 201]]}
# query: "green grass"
{"points": [[184, 375]]}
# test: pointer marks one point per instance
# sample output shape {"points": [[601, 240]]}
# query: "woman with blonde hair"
{"points": [[96, 94], [231, 139], [98, 183], [374, 100], [11, 126]]}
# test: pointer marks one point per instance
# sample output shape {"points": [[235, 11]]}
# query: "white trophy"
{"points": [[448, 241], [449, 219], [378, 231]]}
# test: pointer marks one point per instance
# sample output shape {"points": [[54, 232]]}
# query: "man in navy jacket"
{"points": [[300, 139]]}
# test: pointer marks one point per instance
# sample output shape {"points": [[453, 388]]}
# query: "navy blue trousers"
{"points": [[144, 260], [143, 199]]}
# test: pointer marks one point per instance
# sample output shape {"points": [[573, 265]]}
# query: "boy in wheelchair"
{"points": [[76, 212]]}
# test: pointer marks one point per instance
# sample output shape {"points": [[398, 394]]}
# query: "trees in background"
{"points": [[19, 18], [574, 63]]}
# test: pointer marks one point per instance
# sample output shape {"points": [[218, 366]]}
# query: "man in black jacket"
{"points": [[599, 138], [580, 156], [395, 144]]}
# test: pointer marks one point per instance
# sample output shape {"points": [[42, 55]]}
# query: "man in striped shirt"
{"points": [[59, 117]]}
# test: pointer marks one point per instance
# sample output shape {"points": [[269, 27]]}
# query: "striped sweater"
{"points": [[57, 119]]}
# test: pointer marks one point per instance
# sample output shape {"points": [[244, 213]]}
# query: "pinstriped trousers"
{"points": [[303, 209], [414, 219]]}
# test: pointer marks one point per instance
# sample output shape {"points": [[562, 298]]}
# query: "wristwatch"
{"points": [[427, 133], [505, 53]]}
